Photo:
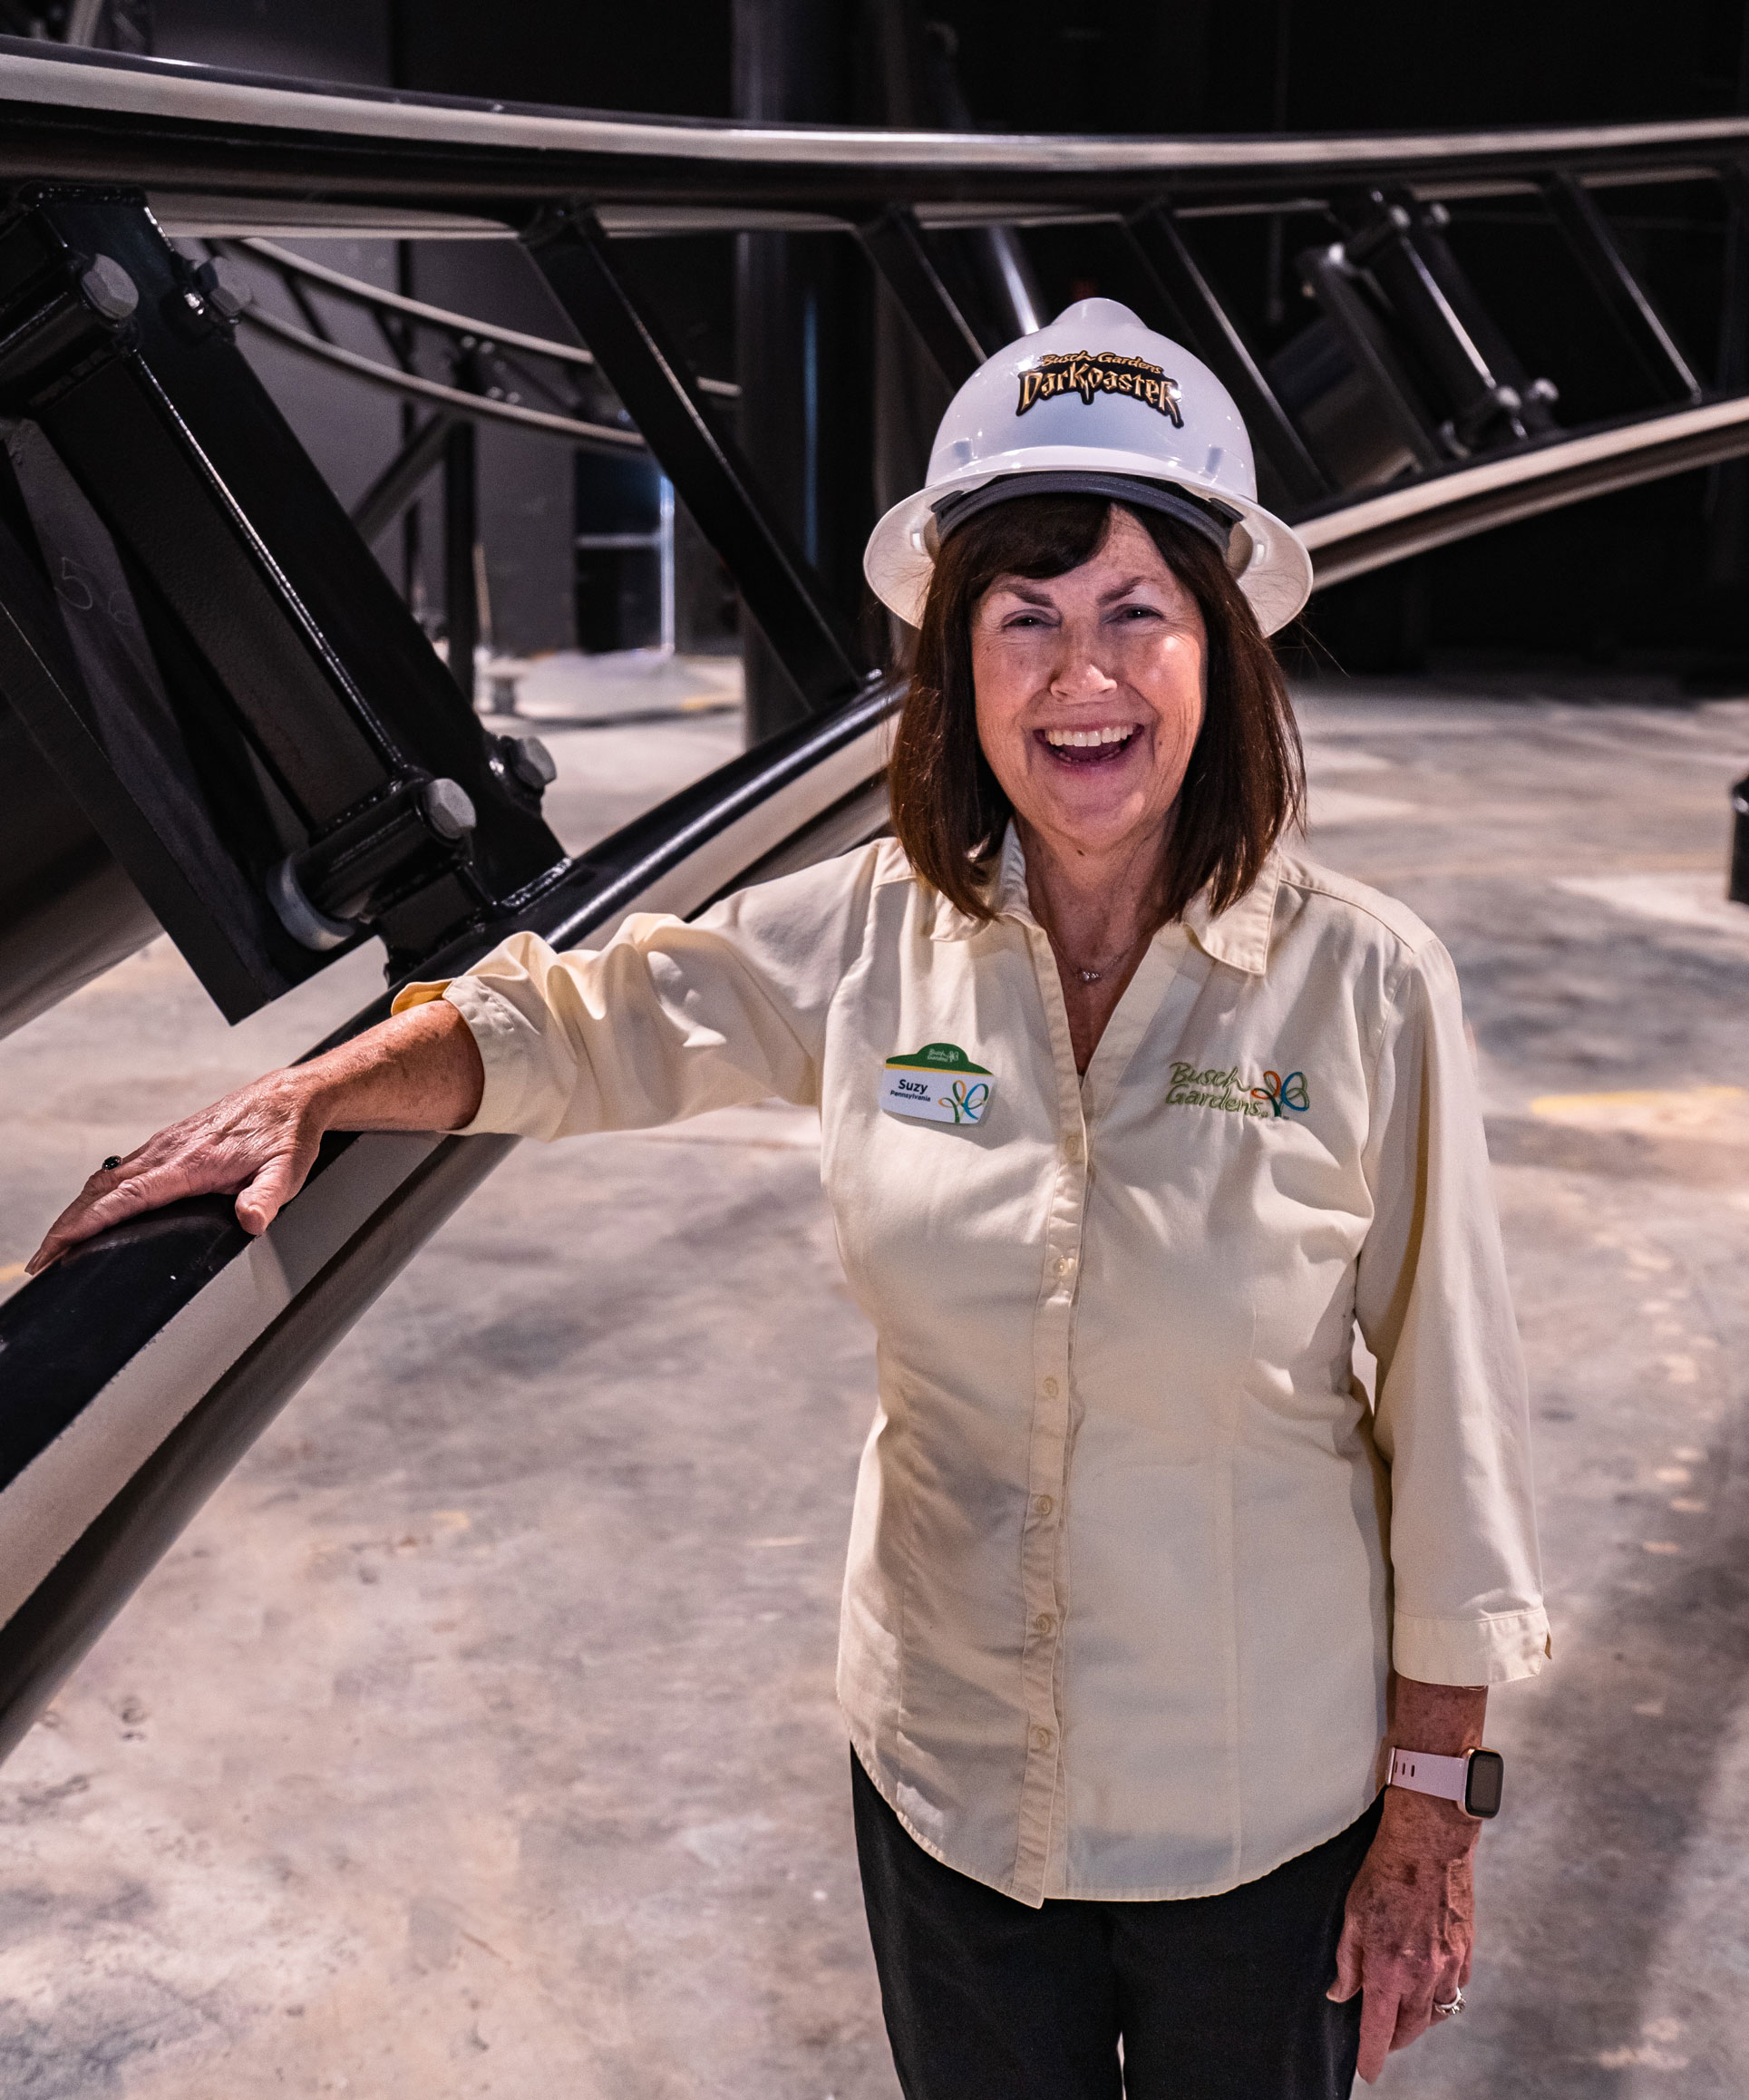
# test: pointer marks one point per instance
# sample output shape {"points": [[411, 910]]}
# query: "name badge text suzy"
{"points": [[937, 1083]]}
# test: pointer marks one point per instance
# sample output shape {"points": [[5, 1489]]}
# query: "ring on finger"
{"points": [[1450, 2012], [111, 1164]]}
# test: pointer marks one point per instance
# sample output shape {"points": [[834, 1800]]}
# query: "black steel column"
{"points": [[461, 528], [803, 338], [780, 589]]}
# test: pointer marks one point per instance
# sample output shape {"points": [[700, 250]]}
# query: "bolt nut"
{"points": [[531, 762], [224, 288], [108, 290], [448, 808]]}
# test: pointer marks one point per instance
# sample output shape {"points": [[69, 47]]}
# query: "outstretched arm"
{"points": [[419, 1071]]}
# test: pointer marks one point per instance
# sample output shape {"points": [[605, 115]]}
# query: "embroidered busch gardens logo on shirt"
{"points": [[939, 1084], [1100, 372], [1224, 1087]]}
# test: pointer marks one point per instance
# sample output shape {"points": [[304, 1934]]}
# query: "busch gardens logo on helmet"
{"points": [[1100, 372]]}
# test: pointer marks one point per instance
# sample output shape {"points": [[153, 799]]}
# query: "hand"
{"points": [[257, 1144], [418, 1071], [1410, 1923]]}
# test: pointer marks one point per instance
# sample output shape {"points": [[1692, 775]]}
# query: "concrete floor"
{"points": [[478, 1739]]}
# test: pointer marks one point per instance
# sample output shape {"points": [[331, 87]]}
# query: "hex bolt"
{"points": [[224, 288], [448, 808], [108, 290], [531, 761]]}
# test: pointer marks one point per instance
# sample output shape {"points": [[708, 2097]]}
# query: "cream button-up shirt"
{"points": [[1132, 1551]]}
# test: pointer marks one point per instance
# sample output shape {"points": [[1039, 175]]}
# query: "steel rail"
{"points": [[375, 297], [169, 126], [1350, 539], [416, 386]]}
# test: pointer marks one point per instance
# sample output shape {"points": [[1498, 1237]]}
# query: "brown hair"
{"points": [[1245, 781]]}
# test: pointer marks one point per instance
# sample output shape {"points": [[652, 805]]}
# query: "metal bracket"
{"points": [[1343, 295], [1474, 371], [238, 627]]}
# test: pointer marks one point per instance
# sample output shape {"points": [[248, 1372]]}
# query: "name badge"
{"points": [[937, 1083]]}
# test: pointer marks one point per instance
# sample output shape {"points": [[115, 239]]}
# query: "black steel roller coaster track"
{"points": [[93, 115]]}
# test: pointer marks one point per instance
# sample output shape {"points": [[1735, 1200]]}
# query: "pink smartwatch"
{"points": [[1475, 1780]]}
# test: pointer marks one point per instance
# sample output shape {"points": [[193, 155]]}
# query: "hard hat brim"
{"points": [[1267, 558]]}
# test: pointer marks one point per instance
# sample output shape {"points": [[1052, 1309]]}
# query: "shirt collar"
{"points": [[1239, 936]]}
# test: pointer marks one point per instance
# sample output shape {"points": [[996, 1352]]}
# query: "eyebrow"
{"points": [[1015, 587]]}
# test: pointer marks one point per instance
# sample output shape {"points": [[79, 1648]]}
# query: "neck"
{"points": [[1096, 905]]}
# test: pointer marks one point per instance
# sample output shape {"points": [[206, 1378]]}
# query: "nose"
{"points": [[1081, 679]]}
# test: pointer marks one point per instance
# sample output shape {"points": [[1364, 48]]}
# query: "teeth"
{"points": [[1082, 739]]}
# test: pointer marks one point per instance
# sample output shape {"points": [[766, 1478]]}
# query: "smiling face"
{"points": [[1089, 690]]}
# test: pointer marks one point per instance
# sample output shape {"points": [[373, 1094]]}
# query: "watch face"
{"points": [[1486, 1782]]}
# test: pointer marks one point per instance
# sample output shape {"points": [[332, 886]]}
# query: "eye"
{"points": [[1024, 619], [1138, 612]]}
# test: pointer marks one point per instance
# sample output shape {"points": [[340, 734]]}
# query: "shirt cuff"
{"points": [[1472, 1652], [499, 1033]]}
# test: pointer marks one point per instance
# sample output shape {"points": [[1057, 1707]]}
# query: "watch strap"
{"points": [[1422, 1773]]}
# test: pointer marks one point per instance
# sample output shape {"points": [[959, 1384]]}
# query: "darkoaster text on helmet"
{"points": [[1100, 372]]}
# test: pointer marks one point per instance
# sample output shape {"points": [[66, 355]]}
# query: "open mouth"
{"points": [[1097, 746]]}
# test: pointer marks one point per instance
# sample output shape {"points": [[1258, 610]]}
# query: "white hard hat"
{"points": [[1094, 405]]}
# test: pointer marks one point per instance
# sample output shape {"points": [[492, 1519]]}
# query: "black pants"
{"points": [[1214, 1997]]}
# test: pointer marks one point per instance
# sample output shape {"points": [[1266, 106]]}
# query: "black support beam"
{"points": [[400, 481], [1197, 312], [895, 245], [1594, 246], [461, 531], [776, 583]]}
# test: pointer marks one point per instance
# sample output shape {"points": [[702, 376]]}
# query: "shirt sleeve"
{"points": [[1451, 1418], [671, 1017]]}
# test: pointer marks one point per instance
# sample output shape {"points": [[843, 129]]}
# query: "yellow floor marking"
{"points": [[1651, 1113]]}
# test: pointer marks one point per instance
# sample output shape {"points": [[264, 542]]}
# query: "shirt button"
{"points": [[1064, 1263], [1044, 1623], [1043, 1505], [1072, 1145], [1042, 1738], [1050, 1388]]}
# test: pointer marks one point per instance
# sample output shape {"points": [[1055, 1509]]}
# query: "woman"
{"points": [[1128, 1117]]}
